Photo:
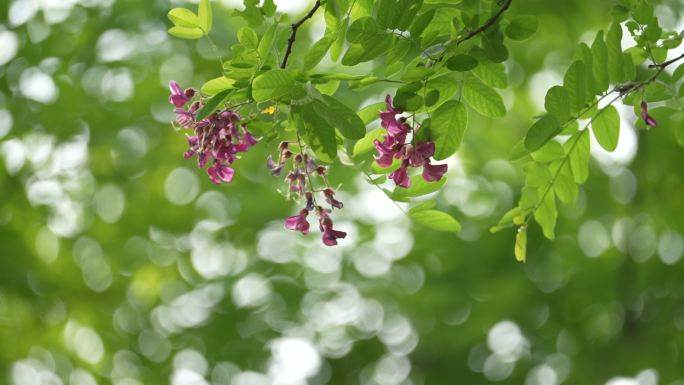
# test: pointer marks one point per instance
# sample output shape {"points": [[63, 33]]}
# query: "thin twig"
{"points": [[662, 65], [293, 34], [490, 22], [487, 24], [634, 87]]}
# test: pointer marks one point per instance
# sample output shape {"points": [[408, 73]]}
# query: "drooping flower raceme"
{"points": [[395, 146], [216, 140], [302, 173]]}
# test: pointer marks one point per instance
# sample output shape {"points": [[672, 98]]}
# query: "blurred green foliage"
{"points": [[122, 263]]}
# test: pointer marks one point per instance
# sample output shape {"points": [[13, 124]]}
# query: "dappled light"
{"points": [[232, 192]]}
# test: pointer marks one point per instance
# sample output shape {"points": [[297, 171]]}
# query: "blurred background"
{"points": [[121, 263]]}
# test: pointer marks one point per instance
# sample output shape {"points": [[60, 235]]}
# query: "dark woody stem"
{"points": [[293, 34], [487, 24]]}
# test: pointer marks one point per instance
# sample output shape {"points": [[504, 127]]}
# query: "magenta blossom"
{"points": [[648, 119], [395, 146], [219, 173], [433, 173], [330, 235], [330, 198], [217, 139], [400, 176], [298, 222], [179, 97]]}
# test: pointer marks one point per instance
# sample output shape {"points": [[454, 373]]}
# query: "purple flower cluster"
{"points": [[298, 179], [648, 119], [217, 139], [395, 146]]}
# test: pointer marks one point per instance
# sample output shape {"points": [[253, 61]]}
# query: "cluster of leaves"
{"points": [[446, 59], [556, 149], [431, 50]]}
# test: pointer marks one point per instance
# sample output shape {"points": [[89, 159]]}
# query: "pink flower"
{"points": [[330, 198], [400, 176], [330, 235], [646, 117], [179, 97], [298, 222], [218, 173], [419, 153], [276, 169], [433, 172]]}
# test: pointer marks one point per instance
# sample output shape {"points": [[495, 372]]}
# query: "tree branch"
{"points": [[487, 24], [666, 63], [293, 34]]}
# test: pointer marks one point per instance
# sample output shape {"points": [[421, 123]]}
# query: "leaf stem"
{"points": [[633, 88]]}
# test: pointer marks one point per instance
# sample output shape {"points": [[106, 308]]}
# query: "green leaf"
{"points": [[252, 13], [506, 220], [341, 117], [520, 249], [212, 104], [248, 38], [182, 17], [537, 174], [575, 83], [387, 10], [317, 52], [186, 32], [436, 220], [577, 149], [678, 73], [446, 85], [549, 152], [629, 68], [600, 62], [541, 132], [267, 41], [204, 15], [421, 22], [371, 112], [584, 52], [615, 58], [214, 86], [546, 214], [461, 63], [440, 24], [418, 188], [316, 132], [606, 128], [643, 12], [338, 44], [275, 84], [449, 123], [366, 144], [557, 102], [269, 8], [491, 74], [483, 99], [362, 29], [400, 47], [427, 205], [522, 27], [564, 186], [409, 11]]}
